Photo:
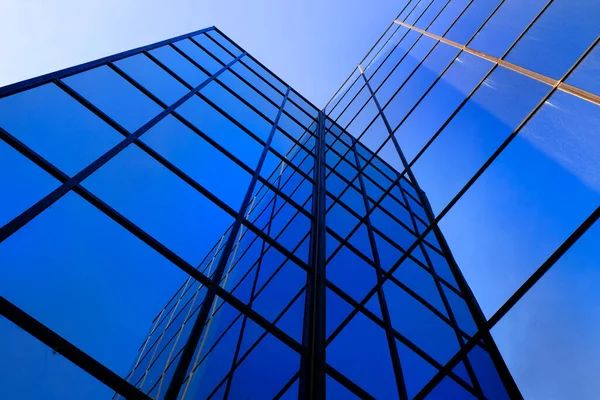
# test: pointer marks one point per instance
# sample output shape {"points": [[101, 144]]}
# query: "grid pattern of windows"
{"points": [[179, 223], [489, 107]]}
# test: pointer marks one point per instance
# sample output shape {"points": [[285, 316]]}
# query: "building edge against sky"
{"points": [[411, 308]]}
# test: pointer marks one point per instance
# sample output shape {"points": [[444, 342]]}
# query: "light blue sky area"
{"points": [[311, 44]]}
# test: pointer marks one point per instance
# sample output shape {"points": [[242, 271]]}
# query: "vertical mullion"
{"points": [[200, 322], [312, 365], [393, 348]]}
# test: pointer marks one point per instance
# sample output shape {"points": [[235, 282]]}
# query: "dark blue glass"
{"points": [[115, 96], [57, 127], [368, 365]]}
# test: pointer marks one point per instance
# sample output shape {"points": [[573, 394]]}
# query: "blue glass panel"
{"points": [[23, 186], [152, 77], [461, 312], [222, 130], [486, 373], [417, 372], [160, 203], [335, 390], [236, 109], [471, 20], [264, 372], [549, 339], [195, 156], [193, 76], [214, 48], [64, 283], [388, 253], [374, 306], [497, 108], [292, 392], [586, 75], [461, 371], [360, 240], [265, 74], [506, 25], [392, 229], [440, 265], [279, 291], [389, 153], [340, 220], [336, 311], [57, 127], [292, 322], [249, 94], [31, 370], [114, 96], [375, 135], [449, 389], [368, 365], [419, 324], [258, 83], [214, 367], [563, 40], [421, 282], [530, 199], [351, 274]]}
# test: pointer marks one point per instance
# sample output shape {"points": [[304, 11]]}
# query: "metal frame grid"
{"points": [[314, 181]]}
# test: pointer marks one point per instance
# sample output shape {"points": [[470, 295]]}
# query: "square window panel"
{"points": [[201, 57], [81, 256], [116, 97], [160, 203], [473, 135], [195, 156], [530, 199], [57, 127], [215, 125], [24, 360], [148, 74], [549, 339]]}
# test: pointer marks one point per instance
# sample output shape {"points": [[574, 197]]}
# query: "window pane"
{"points": [[115, 96], [529, 200], [31, 370], [160, 203], [478, 129], [152, 77], [368, 365], [567, 29], [195, 156], [81, 256], [57, 127], [549, 339], [25, 185]]}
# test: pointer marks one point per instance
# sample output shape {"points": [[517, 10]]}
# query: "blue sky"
{"points": [[311, 44]]}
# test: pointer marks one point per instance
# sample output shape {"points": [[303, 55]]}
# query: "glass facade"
{"points": [[179, 223]]}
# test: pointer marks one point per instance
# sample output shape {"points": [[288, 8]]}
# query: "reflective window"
{"points": [[160, 203], [57, 127], [115, 96], [64, 283], [31, 370], [154, 78]]}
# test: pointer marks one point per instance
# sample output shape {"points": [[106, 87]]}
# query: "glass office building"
{"points": [[179, 223]]}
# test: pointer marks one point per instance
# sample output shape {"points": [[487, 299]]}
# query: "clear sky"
{"points": [[312, 44]]}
